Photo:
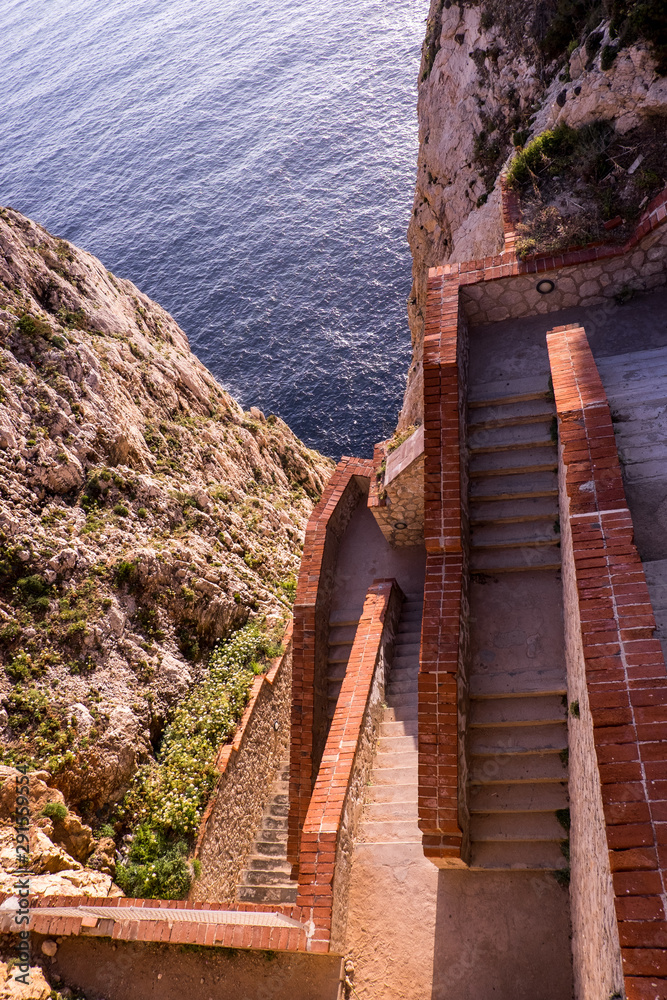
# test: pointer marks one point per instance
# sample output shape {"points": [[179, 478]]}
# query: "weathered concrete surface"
{"points": [[365, 555], [124, 971], [636, 387], [419, 934], [656, 578]]}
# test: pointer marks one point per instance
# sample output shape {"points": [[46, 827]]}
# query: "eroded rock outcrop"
{"points": [[143, 515], [494, 75]]}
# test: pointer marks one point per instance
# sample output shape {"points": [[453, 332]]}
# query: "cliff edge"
{"points": [[144, 516], [495, 75]]}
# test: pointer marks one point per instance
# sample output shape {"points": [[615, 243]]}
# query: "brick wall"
{"points": [[247, 769], [625, 677], [327, 523], [442, 687], [337, 800]]}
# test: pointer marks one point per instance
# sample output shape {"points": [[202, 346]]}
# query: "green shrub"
{"points": [[125, 573], [155, 869], [609, 53], [142, 513], [561, 149], [168, 796], [33, 326], [33, 592], [23, 667], [121, 510], [55, 810]]}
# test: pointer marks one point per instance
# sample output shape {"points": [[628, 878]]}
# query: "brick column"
{"points": [[438, 728]]}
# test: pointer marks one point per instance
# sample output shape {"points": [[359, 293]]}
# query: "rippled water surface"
{"points": [[250, 166]]}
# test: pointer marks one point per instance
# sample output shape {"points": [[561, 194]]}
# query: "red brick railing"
{"points": [[337, 797], [167, 921], [327, 522], [441, 778], [625, 678]]}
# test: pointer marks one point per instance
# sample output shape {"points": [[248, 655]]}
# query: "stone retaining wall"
{"points": [[247, 768], [621, 731]]}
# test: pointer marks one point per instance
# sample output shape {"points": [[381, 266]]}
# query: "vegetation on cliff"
{"points": [[144, 518]]}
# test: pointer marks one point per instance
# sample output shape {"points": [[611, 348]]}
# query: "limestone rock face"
{"points": [[482, 77], [143, 515], [10, 989]]}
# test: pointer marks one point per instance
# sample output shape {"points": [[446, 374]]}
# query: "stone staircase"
{"points": [[267, 877], [390, 812], [513, 483], [342, 629], [517, 729]]}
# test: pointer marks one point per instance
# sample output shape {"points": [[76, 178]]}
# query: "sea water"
{"points": [[250, 167]]}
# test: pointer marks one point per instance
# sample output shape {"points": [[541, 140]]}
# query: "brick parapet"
{"points": [[625, 674], [167, 930], [310, 635], [440, 772], [337, 798]]}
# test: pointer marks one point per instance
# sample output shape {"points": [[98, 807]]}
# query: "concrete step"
{"points": [[511, 461], [393, 793], [507, 768], [518, 740], [515, 560], [336, 671], [530, 435], [406, 714], [265, 878], [275, 822], [343, 634], [513, 392], [405, 702], [256, 863], [512, 856], [393, 759], [396, 744], [339, 654], [517, 711], [344, 616], [514, 535], [392, 728], [516, 826], [514, 511], [388, 831], [401, 687], [406, 629], [408, 666], [519, 798], [266, 894], [542, 679], [392, 810], [533, 411], [407, 647], [271, 848], [515, 486], [395, 776]]}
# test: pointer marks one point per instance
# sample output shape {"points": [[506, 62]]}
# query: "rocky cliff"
{"points": [[494, 75], [143, 517]]}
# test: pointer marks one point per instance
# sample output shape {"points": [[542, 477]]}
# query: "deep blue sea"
{"points": [[250, 166]]}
